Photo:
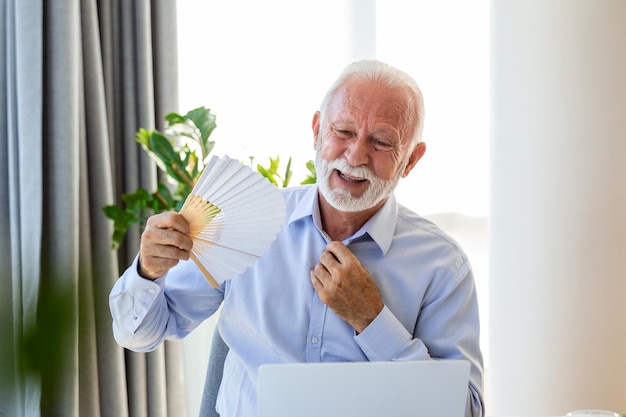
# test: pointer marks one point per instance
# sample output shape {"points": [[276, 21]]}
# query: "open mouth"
{"points": [[350, 178]]}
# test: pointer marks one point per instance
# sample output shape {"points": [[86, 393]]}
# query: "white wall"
{"points": [[558, 224]]}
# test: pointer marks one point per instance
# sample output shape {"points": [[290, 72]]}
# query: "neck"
{"points": [[339, 225]]}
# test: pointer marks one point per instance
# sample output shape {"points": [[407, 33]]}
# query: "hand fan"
{"points": [[234, 214]]}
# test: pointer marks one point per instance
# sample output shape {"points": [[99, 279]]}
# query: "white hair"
{"points": [[391, 77]]}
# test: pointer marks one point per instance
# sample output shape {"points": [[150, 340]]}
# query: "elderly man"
{"points": [[352, 275]]}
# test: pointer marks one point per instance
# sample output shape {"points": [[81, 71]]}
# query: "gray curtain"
{"points": [[77, 78]]}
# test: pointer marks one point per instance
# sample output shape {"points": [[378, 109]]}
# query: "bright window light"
{"points": [[263, 68]]}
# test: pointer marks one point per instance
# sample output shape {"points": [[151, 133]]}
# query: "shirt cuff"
{"points": [[138, 297], [384, 338]]}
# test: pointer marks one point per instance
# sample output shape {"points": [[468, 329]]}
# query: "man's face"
{"points": [[363, 146]]}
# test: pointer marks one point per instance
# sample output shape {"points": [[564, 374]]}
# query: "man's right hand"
{"points": [[164, 242]]}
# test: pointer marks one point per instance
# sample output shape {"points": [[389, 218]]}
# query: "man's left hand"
{"points": [[344, 285]]}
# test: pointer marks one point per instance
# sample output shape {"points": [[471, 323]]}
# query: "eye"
{"points": [[381, 145], [343, 134]]}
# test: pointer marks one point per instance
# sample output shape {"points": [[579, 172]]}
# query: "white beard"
{"points": [[342, 199]]}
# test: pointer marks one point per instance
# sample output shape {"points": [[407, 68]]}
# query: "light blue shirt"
{"points": [[272, 314]]}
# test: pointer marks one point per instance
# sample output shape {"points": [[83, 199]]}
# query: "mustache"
{"points": [[342, 165]]}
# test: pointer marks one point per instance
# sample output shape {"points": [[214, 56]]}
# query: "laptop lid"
{"points": [[364, 389]]}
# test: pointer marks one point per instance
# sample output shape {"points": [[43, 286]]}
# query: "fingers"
{"points": [[337, 255], [320, 276], [169, 221], [318, 285], [344, 285], [153, 236], [164, 242], [159, 251], [155, 267], [332, 261]]}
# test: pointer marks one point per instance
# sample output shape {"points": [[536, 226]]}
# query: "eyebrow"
{"points": [[352, 123]]}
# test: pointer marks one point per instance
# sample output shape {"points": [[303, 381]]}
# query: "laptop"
{"points": [[364, 389]]}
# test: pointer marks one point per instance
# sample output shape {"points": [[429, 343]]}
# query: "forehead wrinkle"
{"points": [[374, 122]]}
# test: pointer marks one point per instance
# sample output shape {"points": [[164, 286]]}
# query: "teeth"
{"points": [[350, 178]]}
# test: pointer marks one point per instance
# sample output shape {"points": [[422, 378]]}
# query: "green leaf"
{"points": [[179, 205], [192, 165], [164, 196], [112, 212], [163, 148], [143, 138], [122, 220], [174, 119], [155, 204], [312, 177], [310, 165], [205, 122], [138, 195], [274, 165], [125, 220], [266, 173], [137, 201], [288, 174], [117, 238], [173, 165], [182, 190]]}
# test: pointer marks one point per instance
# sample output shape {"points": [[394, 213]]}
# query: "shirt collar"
{"points": [[381, 227]]}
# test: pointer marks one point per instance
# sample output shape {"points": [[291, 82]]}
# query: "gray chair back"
{"points": [[215, 370]]}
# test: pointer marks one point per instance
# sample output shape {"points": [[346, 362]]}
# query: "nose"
{"points": [[356, 152]]}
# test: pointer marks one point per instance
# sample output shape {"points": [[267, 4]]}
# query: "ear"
{"points": [[416, 155], [315, 125]]}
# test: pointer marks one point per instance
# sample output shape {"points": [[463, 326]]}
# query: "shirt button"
{"points": [[151, 290], [314, 340]]}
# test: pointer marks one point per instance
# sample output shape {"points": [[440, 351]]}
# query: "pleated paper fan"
{"points": [[234, 214]]}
